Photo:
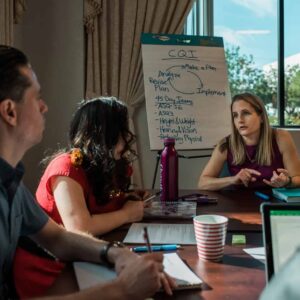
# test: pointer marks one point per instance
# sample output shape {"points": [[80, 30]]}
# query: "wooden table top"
{"points": [[238, 275]]}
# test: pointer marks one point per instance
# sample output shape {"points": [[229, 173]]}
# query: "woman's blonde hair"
{"points": [[264, 153]]}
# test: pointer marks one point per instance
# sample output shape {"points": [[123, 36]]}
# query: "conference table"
{"points": [[238, 275]]}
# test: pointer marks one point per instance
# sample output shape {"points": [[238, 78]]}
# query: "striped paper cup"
{"points": [[210, 234]]}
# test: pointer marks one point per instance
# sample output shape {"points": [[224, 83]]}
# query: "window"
{"points": [[253, 44], [292, 63]]}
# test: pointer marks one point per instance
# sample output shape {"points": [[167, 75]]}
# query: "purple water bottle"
{"points": [[169, 171]]}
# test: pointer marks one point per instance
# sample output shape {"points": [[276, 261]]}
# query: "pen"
{"points": [[156, 248], [262, 196], [146, 237], [152, 197]]}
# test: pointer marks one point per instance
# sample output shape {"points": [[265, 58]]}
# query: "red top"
{"points": [[62, 166], [34, 275]]}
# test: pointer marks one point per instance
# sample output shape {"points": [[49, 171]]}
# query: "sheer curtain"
{"points": [[113, 31], [11, 12]]}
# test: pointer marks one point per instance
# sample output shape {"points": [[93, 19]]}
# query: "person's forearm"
{"points": [[103, 223], [71, 246], [214, 184], [295, 181], [83, 247]]}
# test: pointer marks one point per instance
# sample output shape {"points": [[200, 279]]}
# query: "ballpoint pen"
{"points": [[199, 198], [152, 197], [156, 248], [146, 237], [262, 196]]}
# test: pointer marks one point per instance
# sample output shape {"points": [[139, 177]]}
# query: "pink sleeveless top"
{"points": [[250, 163]]}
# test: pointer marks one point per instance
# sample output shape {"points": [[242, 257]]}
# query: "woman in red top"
{"points": [[84, 188]]}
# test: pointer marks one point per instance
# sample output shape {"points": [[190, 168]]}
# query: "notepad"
{"points": [[88, 274], [178, 269], [288, 195]]}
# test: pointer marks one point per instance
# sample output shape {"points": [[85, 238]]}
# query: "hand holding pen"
{"points": [[167, 282]]}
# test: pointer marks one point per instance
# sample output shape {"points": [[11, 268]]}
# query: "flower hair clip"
{"points": [[76, 157], [116, 195]]}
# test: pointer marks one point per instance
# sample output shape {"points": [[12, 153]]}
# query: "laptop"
{"points": [[281, 232]]}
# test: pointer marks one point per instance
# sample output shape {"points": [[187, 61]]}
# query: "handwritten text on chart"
{"points": [[186, 89], [174, 78], [168, 104]]}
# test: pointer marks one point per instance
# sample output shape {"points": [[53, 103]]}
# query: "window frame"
{"points": [[205, 12]]}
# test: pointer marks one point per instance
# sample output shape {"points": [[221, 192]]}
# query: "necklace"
{"points": [[253, 159]]}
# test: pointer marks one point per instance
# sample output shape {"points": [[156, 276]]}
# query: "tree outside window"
{"points": [[249, 30]]}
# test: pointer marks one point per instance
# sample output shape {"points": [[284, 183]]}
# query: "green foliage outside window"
{"points": [[244, 75]]}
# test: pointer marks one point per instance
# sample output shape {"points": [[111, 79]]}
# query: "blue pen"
{"points": [[156, 248], [262, 196]]}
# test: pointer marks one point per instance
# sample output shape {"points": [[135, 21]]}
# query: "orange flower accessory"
{"points": [[116, 195], [76, 157]]}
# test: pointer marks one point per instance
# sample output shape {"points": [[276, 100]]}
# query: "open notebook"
{"points": [[88, 274]]}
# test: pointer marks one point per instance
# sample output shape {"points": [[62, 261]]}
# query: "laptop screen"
{"points": [[281, 224]]}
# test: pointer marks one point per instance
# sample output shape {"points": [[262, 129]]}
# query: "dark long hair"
{"points": [[95, 129]]}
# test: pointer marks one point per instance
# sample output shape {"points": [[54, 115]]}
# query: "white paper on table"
{"points": [[257, 253], [182, 234]]}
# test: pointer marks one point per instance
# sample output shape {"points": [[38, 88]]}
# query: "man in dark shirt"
{"points": [[21, 126]]}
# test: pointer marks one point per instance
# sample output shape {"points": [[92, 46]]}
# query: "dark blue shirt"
{"points": [[20, 215]]}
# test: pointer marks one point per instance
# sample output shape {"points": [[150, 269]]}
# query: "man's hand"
{"points": [[143, 276]]}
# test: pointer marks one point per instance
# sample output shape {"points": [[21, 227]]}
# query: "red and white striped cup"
{"points": [[210, 233]]}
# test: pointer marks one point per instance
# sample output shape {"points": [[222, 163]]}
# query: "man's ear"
{"points": [[8, 112]]}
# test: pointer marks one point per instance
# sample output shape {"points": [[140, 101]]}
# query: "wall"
{"points": [[51, 34]]}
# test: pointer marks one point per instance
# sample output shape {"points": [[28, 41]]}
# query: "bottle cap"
{"points": [[168, 141]]}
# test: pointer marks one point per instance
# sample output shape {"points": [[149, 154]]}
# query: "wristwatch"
{"points": [[104, 252], [289, 182]]}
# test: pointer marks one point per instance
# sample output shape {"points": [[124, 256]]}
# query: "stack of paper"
{"points": [[182, 234]]}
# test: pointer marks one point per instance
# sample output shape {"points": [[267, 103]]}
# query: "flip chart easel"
{"points": [[186, 89]]}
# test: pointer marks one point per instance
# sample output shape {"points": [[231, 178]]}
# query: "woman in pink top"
{"points": [[256, 154]]}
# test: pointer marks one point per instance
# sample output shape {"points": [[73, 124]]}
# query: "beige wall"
{"points": [[52, 36]]}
